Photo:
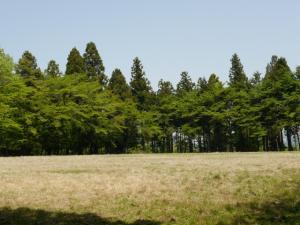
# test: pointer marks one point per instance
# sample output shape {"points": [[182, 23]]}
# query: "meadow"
{"points": [[153, 189]]}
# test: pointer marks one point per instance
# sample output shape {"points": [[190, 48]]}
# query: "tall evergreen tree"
{"points": [[214, 96], [256, 79], [140, 85], [93, 64], [213, 80], [27, 66], [6, 63], [165, 88], [201, 84], [185, 84], [237, 102], [297, 73], [278, 104], [74, 62], [271, 65], [117, 84], [52, 69], [237, 76]]}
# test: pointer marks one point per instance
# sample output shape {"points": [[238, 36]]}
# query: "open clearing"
{"points": [[229, 188]]}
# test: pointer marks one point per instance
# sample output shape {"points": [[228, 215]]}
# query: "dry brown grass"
{"points": [[168, 188]]}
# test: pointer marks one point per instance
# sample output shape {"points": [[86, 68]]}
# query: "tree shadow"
{"points": [[26, 216], [282, 209], [279, 212]]}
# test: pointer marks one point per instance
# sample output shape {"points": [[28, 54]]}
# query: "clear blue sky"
{"points": [[169, 36]]}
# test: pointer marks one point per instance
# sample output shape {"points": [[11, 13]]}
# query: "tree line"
{"points": [[84, 111]]}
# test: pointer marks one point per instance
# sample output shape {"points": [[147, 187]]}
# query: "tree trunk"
{"points": [[297, 135], [191, 146], [281, 144], [289, 138]]}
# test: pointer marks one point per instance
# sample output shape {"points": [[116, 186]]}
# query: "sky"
{"points": [[169, 36]]}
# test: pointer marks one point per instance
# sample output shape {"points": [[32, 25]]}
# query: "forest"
{"points": [[86, 111]]}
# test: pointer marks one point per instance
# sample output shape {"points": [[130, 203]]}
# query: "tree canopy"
{"points": [[84, 112], [75, 63], [93, 65]]}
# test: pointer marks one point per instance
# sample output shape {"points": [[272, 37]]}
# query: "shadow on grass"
{"points": [[279, 213], [26, 216], [281, 209]]}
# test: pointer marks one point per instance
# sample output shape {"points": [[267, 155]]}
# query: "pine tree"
{"points": [[256, 79], [278, 70], [297, 73], [201, 84], [237, 76], [6, 63], [93, 64], [140, 85], [165, 88], [271, 65], [214, 126], [278, 93], [213, 80], [52, 69], [27, 66], [237, 103], [75, 63], [117, 84], [185, 84]]}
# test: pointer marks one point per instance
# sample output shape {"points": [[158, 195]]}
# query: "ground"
{"points": [[218, 188]]}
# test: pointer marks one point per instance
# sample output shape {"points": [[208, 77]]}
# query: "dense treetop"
{"points": [[75, 63], [82, 111]]}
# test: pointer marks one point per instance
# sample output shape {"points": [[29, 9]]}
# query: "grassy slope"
{"points": [[233, 188]]}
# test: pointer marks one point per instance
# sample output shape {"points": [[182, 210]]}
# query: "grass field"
{"points": [[232, 188]]}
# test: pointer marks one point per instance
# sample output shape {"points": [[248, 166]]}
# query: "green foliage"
{"points": [[297, 73], [27, 66], [76, 115], [278, 103], [237, 76], [52, 69], [165, 88], [271, 65], [256, 79], [201, 84], [75, 63], [185, 84], [6, 64], [14, 102], [205, 114], [93, 64], [140, 85], [117, 84]]}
